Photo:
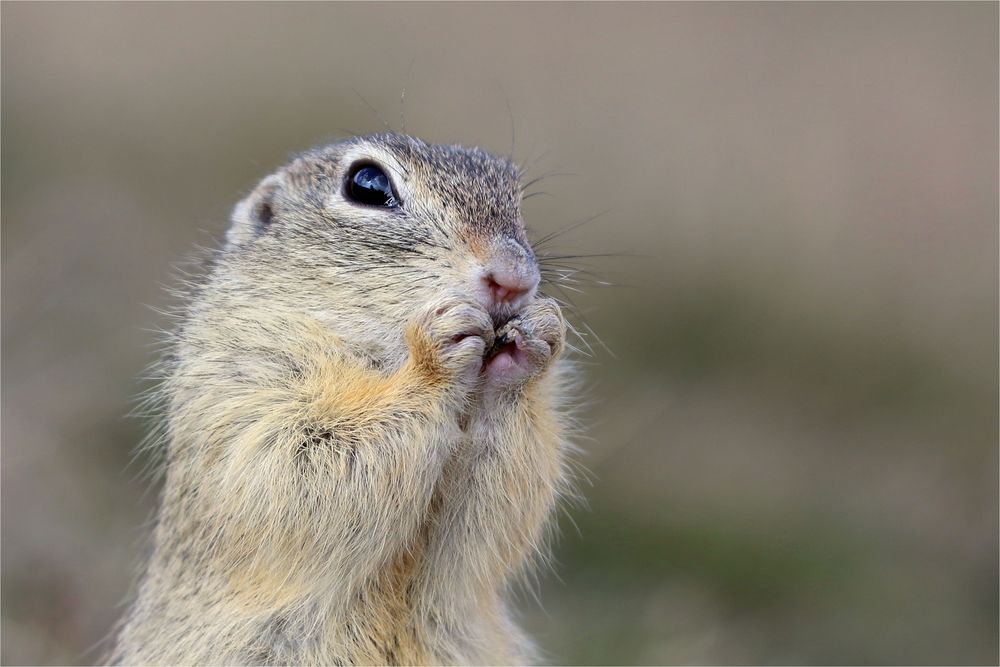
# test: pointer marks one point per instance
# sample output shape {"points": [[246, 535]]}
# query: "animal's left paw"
{"points": [[525, 346]]}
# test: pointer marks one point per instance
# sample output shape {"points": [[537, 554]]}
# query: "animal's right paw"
{"points": [[448, 339]]}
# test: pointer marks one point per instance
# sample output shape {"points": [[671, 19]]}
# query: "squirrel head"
{"points": [[368, 229]]}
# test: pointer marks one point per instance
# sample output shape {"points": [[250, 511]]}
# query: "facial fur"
{"points": [[458, 213]]}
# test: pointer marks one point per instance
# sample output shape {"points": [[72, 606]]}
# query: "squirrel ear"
{"points": [[254, 213]]}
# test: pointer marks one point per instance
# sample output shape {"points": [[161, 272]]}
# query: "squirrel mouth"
{"points": [[500, 318], [503, 326]]}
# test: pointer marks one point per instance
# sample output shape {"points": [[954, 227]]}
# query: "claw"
{"points": [[505, 335]]}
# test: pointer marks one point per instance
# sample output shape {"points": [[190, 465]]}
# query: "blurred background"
{"points": [[793, 447]]}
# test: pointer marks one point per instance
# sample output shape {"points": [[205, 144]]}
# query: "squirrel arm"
{"points": [[326, 477], [291, 484], [499, 487], [497, 492]]}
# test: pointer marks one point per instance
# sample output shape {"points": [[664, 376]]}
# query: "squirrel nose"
{"points": [[507, 287], [511, 277]]}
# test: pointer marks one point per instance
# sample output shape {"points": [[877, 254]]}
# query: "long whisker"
{"points": [[565, 230], [402, 97], [373, 110], [535, 194], [545, 257], [550, 174]]}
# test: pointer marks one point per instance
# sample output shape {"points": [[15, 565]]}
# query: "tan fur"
{"points": [[343, 486]]}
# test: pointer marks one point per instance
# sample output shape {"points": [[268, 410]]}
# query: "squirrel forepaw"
{"points": [[448, 339], [525, 347]]}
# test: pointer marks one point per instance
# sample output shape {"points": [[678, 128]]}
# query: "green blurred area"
{"points": [[790, 452]]}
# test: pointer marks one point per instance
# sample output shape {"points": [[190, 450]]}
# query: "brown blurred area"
{"points": [[793, 447]]}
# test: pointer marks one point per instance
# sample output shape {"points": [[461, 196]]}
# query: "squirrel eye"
{"points": [[367, 184]]}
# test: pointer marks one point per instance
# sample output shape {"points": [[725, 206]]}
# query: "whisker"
{"points": [[402, 97], [576, 225], [546, 257], [373, 110], [549, 174], [535, 194]]}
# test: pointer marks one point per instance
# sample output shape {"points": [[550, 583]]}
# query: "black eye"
{"points": [[368, 184]]}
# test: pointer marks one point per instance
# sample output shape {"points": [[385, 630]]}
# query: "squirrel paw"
{"points": [[448, 338], [525, 346]]}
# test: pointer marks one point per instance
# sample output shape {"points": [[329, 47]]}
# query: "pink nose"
{"points": [[510, 284], [506, 291], [509, 278]]}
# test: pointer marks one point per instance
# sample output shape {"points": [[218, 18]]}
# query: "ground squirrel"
{"points": [[365, 421]]}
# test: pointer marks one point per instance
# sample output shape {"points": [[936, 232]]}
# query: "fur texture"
{"points": [[348, 479]]}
